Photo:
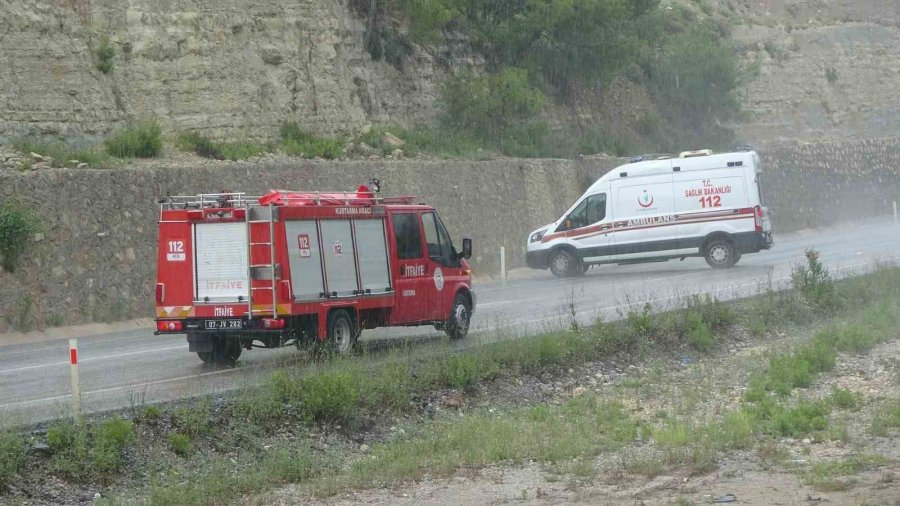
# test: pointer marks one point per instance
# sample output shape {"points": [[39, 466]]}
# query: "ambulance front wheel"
{"points": [[564, 264], [457, 325], [721, 253]]}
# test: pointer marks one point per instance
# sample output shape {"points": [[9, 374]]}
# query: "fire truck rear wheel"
{"points": [[564, 264], [342, 332], [225, 352], [457, 325]]}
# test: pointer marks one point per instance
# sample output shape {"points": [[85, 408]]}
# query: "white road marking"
{"points": [[92, 342], [94, 359]]}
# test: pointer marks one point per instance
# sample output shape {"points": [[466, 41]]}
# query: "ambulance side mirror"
{"points": [[466, 248]]}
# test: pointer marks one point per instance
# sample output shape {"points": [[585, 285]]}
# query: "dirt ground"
{"points": [[773, 472]]}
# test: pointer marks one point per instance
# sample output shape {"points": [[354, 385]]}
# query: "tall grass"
{"points": [[142, 140], [207, 148], [297, 141], [63, 154], [12, 457]]}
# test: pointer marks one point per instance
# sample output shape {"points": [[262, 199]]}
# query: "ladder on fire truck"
{"points": [[261, 217]]}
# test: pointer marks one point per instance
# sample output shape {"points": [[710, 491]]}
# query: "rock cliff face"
{"points": [[829, 69], [226, 68]]}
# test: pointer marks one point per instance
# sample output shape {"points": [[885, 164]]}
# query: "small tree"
{"points": [[17, 224], [814, 282]]}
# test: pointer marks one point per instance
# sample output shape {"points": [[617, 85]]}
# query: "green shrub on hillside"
{"points": [[296, 141], [501, 109], [17, 225], [63, 154], [694, 82], [207, 148], [143, 140], [105, 54]]}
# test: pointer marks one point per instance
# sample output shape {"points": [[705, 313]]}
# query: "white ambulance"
{"points": [[658, 209]]}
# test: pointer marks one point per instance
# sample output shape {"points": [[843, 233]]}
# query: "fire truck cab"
{"points": [[236, 272]]}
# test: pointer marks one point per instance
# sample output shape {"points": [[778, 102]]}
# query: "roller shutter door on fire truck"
{"points": [[221, 261]]}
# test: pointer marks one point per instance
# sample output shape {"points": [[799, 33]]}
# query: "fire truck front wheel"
{"points": [[342, 331], [457, 325]]}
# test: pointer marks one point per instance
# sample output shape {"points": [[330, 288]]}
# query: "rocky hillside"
{"points": [[239, 68], [828, 68], [225, 68]]}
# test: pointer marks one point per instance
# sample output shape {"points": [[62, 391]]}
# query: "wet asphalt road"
{"points": [[134, 367]]}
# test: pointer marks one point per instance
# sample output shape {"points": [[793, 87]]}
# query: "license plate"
{"points": [[224, 324]]}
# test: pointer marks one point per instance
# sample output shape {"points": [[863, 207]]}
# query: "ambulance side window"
{"points": [[409, 239]]}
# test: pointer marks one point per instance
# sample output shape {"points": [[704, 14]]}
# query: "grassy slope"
{"points": [[215, 451]]}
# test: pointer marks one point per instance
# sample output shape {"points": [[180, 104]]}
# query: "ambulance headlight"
{"points": [[537, 236]]}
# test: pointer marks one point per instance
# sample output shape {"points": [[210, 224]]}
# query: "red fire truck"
{"points": [[236, 272]]}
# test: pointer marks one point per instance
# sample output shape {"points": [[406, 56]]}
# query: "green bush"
{"points": [[641, 323], [110, 439], [105, 55], [694, 81], [886, 418], [82, 451], [329, 397], [12, 457], [494, 106], [298, 142], [711, 311], [814, 282], [842, 398], [152, 413], [143, 140], [804, 418], [180, 443], [17, 224], [193, 420], [390, 387], [700, 336]]}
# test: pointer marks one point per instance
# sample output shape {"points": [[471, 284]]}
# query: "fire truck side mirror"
{"points": [[466, 248]]}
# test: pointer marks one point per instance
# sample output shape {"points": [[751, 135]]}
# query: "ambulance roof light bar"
{"points": [[695, 153]]}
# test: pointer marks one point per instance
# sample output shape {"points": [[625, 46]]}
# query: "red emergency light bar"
{"points": [[362, 197]]}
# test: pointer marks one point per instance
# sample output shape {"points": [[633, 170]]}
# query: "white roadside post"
{"points": [[896, 221], [503, 263], [76, 388]]}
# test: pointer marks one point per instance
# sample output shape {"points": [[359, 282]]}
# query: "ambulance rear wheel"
{"points": [[457, 325], [563, 264], [342, 332], [720, 253]]}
